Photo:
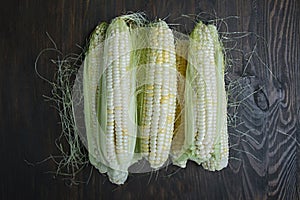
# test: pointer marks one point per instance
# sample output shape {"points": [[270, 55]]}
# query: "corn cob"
{"points": [[159, 98], [210, 99], [117, 110], [92, 64], [219, 158], [205, 87], [206, 139]]}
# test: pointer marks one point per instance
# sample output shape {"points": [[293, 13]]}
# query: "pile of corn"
{"points": [[151, 95]]}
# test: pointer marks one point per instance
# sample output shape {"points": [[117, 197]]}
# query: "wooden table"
{"points": [[265, 150]]}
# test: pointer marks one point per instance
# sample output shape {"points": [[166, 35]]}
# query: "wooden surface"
{"points": [[264, 160]]}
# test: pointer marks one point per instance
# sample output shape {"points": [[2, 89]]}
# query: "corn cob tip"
{"points": [[97, 35]]}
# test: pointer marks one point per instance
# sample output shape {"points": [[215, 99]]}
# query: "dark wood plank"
{"points": [[282, 143], [264, 156]]}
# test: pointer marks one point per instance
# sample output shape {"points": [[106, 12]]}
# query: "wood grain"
{"points": [[264, 159]]}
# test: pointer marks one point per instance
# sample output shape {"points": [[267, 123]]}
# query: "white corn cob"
{"points": [[210, 97], [159, 98], [92, 64], [205, 87], [219, 158], [117, 110], [206, 138]]}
